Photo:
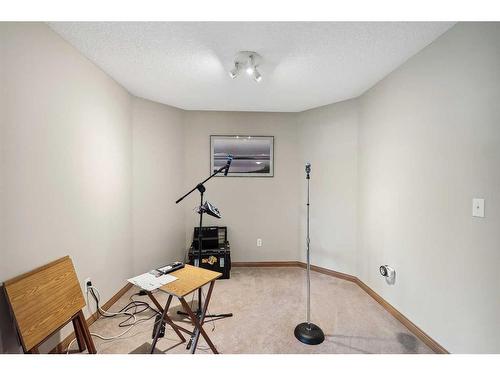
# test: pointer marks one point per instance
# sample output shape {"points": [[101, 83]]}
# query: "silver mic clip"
{"points": [[308, 170]]}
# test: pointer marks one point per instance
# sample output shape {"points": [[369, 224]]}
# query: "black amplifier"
{"points": [[216, 252], [211, 238], [215, 260]]}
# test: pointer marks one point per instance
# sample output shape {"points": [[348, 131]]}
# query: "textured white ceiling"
{"points": [[305, 65]]}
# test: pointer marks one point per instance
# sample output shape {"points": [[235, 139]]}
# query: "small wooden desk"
{"points": [[189, 279]]}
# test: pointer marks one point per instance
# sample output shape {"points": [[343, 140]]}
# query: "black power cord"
{"points": [[138, 307]]}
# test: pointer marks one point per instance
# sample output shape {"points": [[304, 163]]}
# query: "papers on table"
{"points": [[151, 280]]}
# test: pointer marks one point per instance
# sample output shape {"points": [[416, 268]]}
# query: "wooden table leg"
{"points": [[198, 327], [169, 321], [79, 335], [155, 301], [86, 333], [166, 317]]}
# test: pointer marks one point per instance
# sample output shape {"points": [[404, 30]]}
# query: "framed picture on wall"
{"points": [[253, 156]]}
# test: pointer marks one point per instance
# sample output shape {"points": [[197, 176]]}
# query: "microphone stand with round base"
{"points": [[307, 332]]}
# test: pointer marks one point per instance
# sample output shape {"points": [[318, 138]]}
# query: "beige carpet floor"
{"points": [[267, 304]]}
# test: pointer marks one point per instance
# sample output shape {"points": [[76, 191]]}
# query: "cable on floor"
{"points": [[123, 311]]}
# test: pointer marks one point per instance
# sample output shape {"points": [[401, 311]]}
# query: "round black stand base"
{"points": [[309, 334]]}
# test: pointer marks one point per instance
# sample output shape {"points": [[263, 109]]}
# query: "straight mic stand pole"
{"points": [[308, 240], [202, 190], [309, 333]]}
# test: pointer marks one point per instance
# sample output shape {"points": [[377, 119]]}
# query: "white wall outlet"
{"points": [[259, 242], [85, 287], [478, 207]]}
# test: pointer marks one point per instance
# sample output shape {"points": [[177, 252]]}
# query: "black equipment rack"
{"points": [[215, 250]]}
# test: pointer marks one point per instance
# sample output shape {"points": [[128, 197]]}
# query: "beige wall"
{"points": [[3, 100], [158, 161], [266, 208], [328, 139], [86, 169], [429, 143], [66, 160], [66, 157]]}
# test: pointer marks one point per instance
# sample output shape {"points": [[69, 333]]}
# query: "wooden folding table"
{"points": [[189, 279], [44, 300]]}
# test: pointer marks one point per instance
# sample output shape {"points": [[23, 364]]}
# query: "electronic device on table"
{"points": [[171, 267], [215, 250]]}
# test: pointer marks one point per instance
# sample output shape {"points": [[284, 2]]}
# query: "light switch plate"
{"points": [[478, 207]]}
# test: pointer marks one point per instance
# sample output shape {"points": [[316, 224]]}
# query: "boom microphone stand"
{"points": [[201, 188], [307, 332]]}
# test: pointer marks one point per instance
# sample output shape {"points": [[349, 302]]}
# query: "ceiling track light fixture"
{"points": [[247, 61]]}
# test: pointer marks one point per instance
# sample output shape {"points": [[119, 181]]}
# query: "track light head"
{"points": [[235, 71], [257, 76], [250, 65]]}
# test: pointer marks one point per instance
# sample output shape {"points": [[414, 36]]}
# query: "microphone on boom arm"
{"points": [[228, 164]]}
